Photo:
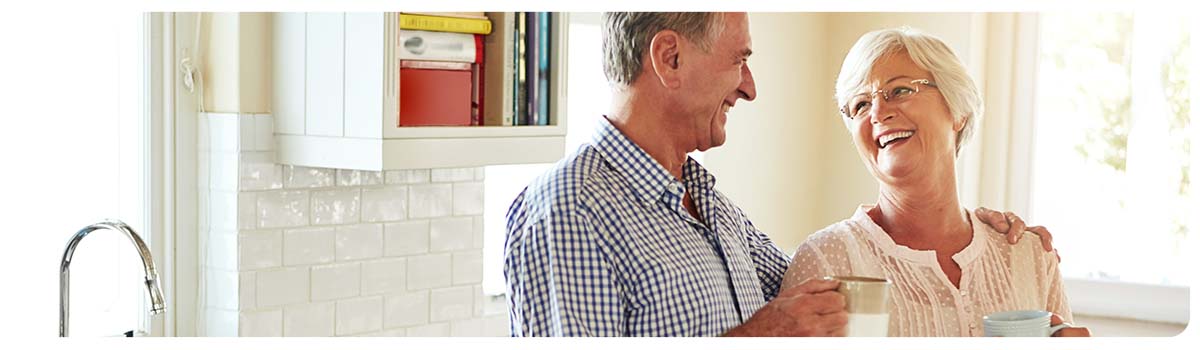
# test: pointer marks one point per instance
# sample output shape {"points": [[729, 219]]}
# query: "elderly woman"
{"points": [[909, 105]]}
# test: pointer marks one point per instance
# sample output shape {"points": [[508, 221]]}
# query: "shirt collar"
{"points": [[971, 252], [645, 176]]}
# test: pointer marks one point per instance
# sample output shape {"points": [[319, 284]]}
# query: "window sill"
{"points": [[1140, 302]]}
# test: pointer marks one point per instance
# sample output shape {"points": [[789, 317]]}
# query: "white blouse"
{"points": [[996, 276]]}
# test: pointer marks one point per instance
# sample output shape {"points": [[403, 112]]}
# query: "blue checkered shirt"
{"points": [[601, 245]]}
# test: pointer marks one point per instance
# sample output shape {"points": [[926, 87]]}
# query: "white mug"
{"points": [[867, 302], [1020, 323]]}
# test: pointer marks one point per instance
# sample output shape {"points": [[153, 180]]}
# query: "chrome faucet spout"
{"points": [[157, 304]]}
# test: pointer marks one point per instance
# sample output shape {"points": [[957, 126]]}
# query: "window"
{"points": [[1114, 135], [82, 154]]}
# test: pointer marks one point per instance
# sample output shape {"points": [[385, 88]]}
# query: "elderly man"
{"points": [[627, 236]]}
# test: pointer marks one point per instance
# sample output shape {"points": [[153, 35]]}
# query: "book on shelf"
{"points": [[478, 82], [444, 65], [520, 108], [532, 53], [445, 24], [475, 15], [543, 81], [436, 46], [433, 94], [498, 71]]}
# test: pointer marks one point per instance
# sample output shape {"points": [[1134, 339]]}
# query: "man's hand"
{"points": [[1013, 227], [1069, 331], [812, 309]]}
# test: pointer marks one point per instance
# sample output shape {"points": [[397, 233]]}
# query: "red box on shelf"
{"points": [[435, 97]]}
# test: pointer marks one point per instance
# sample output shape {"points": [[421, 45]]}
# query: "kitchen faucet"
{"points": [[64, 279]]}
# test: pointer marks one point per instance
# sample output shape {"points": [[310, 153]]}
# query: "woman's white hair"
{"points": [[931, 54]]}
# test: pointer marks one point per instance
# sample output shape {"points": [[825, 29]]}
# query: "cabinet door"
{"points": [[364, 74], [288, 72], [325, 73]]}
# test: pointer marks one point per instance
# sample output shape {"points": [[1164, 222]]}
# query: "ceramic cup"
{"points": [[867, 302], [1020, 323]]}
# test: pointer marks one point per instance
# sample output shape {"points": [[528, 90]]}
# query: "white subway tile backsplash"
{"points": [[308, 246], [336, 281], [406, 238], [496, 326], [258, 172], [282, 209], [225, 210], [264, 132], [453, 174], [309, 320], [430, 330], [203, 135], [468, 268], [371, 178], [477, 232], [359, 315], [306, 177], [406, 309], [204, 219], [224, 131], [225, 286], [450, 234], [480, 300], [407, 177], [456, 303], [220, 323], [246, 291], [467, 328], [335, 206], [223, 170], [260, 249], [390, 333], [427, 201], [492, 304], [281, 287], [362, 241], [247, 208], [383, 276], [249, 138], [347, 177], [203, 179], [223, 251], [299, 251], [429, 271], [468, 198], [261, 323], [384, 203]]}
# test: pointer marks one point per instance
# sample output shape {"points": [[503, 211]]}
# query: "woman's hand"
{"points": [[1069, 331], [1013, 227]]}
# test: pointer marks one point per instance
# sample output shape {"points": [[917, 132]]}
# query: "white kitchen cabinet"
{"points": [[335, 102]]}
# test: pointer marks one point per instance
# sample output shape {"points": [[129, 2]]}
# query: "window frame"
{"points": [[1008, 134]]}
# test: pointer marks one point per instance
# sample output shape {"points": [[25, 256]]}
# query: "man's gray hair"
{"points": [[931, 54], [627, 36]]}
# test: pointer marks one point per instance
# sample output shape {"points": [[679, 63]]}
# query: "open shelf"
{"points": [[335, 102]]}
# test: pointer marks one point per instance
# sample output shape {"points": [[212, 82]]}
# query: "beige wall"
{"points": [[237, 54], [787, 160], [774, 144]]}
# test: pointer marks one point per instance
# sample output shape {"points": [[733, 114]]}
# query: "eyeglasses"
{"points": [[860, 105]]}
